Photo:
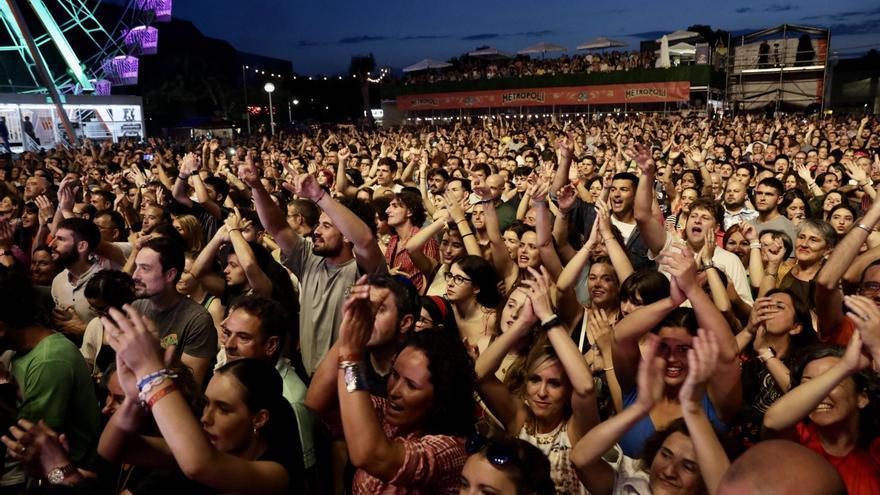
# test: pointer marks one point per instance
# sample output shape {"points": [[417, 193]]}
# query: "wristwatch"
{"points": [[550, 323], [57, 475], [767, 355]]}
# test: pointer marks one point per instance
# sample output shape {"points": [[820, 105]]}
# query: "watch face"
{"points": [[56, 476]]}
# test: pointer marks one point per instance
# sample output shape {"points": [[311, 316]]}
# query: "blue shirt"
{"points": [[633, 441]]}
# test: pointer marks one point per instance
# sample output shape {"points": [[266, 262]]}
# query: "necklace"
{"points": [[548, 438]]}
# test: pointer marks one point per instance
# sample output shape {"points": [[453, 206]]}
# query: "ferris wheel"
{"points": [[59, 47]]}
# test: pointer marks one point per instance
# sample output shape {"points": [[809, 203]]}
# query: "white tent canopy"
{"points": [[682, 49], [601, 43], [542, 48], [488, 52], [427, 64], [680, 35]]}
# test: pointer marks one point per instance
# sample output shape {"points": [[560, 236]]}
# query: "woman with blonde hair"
{"points": [[191, 231]]}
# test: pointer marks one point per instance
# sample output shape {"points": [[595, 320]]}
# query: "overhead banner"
{"points": [[655, 92]]}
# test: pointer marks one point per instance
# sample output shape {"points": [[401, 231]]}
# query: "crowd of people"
{"points": [[472, 68], [649, 304]]}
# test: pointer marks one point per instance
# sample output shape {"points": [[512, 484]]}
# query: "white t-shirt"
{"points": [[726, 261], [626, 229]]}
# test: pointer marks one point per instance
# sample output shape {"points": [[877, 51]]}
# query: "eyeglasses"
{"points": [[425, 322], [455, 279]]}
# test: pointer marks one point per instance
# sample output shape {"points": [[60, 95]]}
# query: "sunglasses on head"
{"points": [[497, 452]]}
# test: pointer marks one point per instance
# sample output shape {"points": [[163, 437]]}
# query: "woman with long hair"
{"points": [[472, 288], [556, 402], [832, 407], [412, 441], [795, 206], [191, 230], [676, 328], [247, 441], [667, 462], [106, 289]]}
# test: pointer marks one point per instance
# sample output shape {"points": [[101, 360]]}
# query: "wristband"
{"points": [[164, 372], [550, 323], [465, 235], [355, 377], [755, 245], [774, 275], [864, 227], [353, 357], [160, 394]]}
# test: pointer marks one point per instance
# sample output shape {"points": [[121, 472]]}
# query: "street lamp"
{"points": [[269, 88], [295, 102]]}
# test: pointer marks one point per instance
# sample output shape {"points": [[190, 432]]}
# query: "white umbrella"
{"points": [[680, 35], [601, 43], [663, 60], [488, 52], [542, 48], [427, 64]]}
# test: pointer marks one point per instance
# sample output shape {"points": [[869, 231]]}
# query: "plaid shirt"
{"points": [[403, 263], [432, 463]]}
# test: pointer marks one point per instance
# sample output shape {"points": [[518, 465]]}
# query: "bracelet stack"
{"points": [[355, 376], [151, 383]]}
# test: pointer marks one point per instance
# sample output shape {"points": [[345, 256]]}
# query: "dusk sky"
{"points": [[320, 37]]}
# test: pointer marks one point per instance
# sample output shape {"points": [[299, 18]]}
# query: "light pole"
{"points": [[290, 110], [244, 86], [269, 88]]}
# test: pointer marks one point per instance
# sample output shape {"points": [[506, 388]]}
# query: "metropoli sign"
{"points": [[655, 92]]}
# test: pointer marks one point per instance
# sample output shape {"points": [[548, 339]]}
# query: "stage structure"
{"points": [[780, 68], [60, 48]]}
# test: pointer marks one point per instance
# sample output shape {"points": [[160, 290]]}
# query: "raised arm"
{"points": [[504, 266], [342, 185], [619, 260], [507, 407], [188, 168], [271, 216], [649, 225], [201, 266], [366, 248], [544, 230], [564, 150], [585, 413], [257, 278], [414, 245], [702, 360], [130, 336], [828, 296], [800, 401], [596, 474]]}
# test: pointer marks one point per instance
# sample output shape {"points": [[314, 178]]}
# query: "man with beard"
{"points": [[257, 328], [53, 381], [735, 209], [406, 214], [35, 186], [699, 232], [73, 249], [342, 249], [178, 320]]}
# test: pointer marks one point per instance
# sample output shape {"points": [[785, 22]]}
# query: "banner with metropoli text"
{"points": [[655, 92]]}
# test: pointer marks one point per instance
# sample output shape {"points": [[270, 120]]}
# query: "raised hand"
{"points": [[866, 317], [539, 293], [566, 197], [247, 172], [679, 262], [702, 361], [46, 211], [134, 339], [343, 154], [603, 218], [749, 231], [644, 160], [357, 319], [650, 375]]}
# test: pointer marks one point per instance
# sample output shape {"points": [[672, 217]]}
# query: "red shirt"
{"points": [[841, 334], [860, 469], [403, 263]]}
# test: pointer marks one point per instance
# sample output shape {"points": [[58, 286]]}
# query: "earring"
{"points": [[256, 432]]}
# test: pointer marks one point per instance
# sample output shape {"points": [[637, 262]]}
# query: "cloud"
{"points": [[743, 10], [648, 35], [351, 40], [423, 37], [776, 7], [520, 34], [481, 36], [306, 43], [843, 16]]}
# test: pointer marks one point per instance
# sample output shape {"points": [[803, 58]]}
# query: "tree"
{"points": [[361, 66]]}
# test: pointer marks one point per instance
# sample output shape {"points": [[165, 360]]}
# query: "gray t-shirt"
{"points": [[778, 223], [323, 290], [187, 325]]}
